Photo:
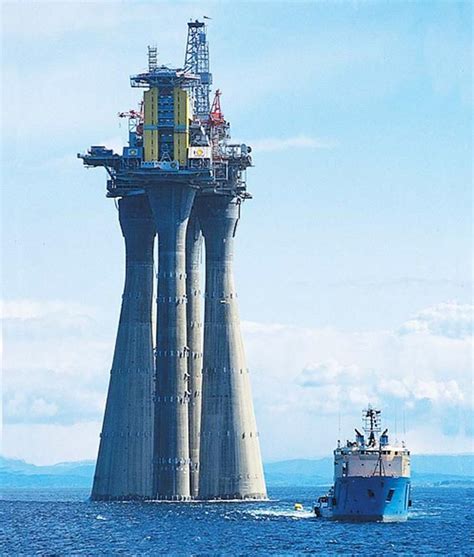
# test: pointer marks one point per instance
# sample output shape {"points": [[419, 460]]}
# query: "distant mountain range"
{"points": [[426, 470], [18, 473]]}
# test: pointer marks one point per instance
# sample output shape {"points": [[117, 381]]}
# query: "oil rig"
{"points": [[179, 422]]}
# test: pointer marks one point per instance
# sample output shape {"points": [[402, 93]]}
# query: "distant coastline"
{"points": [[438, 470]]}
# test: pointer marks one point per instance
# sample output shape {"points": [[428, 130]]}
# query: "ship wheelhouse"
{"points": [[371, 453]]}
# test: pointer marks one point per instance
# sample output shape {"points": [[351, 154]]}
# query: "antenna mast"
{"points": [[152, 58], [372, 425]]}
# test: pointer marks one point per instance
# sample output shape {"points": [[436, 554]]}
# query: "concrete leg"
{"points": [[124, 463], [171, 206], [230, 460], [195, 339]]}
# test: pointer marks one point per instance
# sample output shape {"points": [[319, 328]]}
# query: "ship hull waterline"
{"points": [[371, 499]]}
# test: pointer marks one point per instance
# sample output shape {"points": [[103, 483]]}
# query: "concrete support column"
{"points": [[171, 206], [124, 463], [230, 460], [195, 339]]}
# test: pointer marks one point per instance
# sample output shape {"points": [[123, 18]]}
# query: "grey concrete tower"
{"points": [[124, 463], [195, 340], [230, 460], [171, 206]]}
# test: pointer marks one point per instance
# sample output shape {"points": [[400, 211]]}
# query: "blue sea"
{"points": [[65, 522]]}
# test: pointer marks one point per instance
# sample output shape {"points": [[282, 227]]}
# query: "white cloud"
{"points": [[328, 372], [57, 361], [28, 309], [50, 443], [41, 408], [448, 319], [304, 378], [272, 145], [354, 385], [33, 395]]}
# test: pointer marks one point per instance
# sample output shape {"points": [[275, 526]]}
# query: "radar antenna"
{"points": [[372, 424]]}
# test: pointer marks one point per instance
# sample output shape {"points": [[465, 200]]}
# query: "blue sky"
{"points": [[353, 258]]}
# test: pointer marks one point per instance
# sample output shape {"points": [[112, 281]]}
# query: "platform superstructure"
{"points": [[371, 477]]}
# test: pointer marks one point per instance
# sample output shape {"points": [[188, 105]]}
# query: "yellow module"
{"points": [[178, 125], [150, 136], [181, 125]]}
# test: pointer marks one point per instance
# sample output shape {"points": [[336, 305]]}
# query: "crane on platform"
{"points": [[218, 128], [135, 119]]}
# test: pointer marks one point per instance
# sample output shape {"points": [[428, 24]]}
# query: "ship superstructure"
{"points": [[371, 477]]}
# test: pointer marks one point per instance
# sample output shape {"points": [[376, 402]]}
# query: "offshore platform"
{"points": [[179, 421]]}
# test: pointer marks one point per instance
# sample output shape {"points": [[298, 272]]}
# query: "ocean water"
{"points": [[65, 522]]}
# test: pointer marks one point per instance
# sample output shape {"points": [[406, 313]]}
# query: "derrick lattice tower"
{"points": [[197, 62]]}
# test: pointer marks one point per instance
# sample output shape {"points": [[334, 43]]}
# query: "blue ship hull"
{"points": [[375, 498]]}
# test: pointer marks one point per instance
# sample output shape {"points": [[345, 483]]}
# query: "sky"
{"points": [[353, 260]]}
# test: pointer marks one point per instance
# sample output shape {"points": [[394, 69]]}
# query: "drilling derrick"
{"points": [[197, 62], [186, 428]]}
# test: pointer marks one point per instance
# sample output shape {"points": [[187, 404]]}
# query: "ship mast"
{"points": [[372, 428]]}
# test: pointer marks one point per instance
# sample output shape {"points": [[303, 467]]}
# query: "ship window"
{"points": [[390, 495], [370, 493]]}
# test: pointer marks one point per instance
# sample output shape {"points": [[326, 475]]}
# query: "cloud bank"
{"points": [[55, 370], [306, 380], [57, 359], [449, 320]]}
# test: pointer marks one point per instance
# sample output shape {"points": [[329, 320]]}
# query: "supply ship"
{"points": [[371, 477]]}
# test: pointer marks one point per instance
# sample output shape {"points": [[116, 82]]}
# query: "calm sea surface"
{"points": [[65, 522]]}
